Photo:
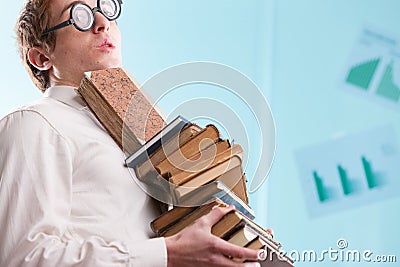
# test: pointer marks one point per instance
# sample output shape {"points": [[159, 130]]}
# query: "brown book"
{"points": [[234, 179], [243, 236], [170, 217], [240, 188], [127, 113], [237, 229], [191, 218], [273, 256], [216, 189], [208, 136], [219, 147], [228, 224], [235, 220], [167, 148], [207, 163], [208, 176], [201, 196], [257, 243]]}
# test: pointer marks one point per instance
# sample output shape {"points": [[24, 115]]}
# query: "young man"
{"points": [[65, 197]]}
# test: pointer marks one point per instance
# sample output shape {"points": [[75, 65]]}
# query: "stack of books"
{"points": [[190, 166], [202, 171]]}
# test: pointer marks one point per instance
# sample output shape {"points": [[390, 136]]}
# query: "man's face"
{"points": [[76, 52]]}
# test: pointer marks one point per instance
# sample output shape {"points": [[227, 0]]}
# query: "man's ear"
{"points": [[39, 58]]}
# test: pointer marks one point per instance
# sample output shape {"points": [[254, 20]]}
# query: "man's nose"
{"points": [[101, 23]]}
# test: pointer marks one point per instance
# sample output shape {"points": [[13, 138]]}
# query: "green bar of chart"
{"points": [[344, 180], [322, 194], [369, 174], [361, 75], [387, 88]]}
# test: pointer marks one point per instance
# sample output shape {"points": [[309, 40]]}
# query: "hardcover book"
{"points": [[156, 142], [199, 197], [127, 113]]}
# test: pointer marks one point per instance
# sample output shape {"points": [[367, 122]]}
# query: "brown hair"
{"points": [[32, 22]]}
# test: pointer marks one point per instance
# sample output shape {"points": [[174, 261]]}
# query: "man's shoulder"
{"points": [[34, 114], [28, 124], [45, 107], [41, 106], [27, 112]]}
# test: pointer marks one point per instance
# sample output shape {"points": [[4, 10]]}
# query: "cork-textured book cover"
{"points": [[124, 110]]}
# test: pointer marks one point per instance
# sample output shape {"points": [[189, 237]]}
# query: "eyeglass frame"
{"points": [[71, 19]]}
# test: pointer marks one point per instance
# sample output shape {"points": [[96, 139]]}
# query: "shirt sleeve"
{"points": [[36, 169]]}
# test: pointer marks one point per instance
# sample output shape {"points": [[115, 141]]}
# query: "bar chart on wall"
{"points": [[350, 171]]}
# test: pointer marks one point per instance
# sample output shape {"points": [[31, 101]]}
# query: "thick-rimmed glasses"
{"points": [[82, 16]]}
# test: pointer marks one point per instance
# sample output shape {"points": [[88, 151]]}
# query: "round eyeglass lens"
{"points": [[110, 8], [83, 17]]}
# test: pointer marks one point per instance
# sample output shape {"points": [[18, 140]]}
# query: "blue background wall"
{"points": [[296, 52], [313, 41]]}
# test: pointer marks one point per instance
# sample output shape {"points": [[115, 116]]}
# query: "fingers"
{"points": [[271, 231], [216, 214]]}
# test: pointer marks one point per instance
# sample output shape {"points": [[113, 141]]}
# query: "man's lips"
{"points": [[106, 44]]}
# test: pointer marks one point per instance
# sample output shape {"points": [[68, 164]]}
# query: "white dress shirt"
{"points": [[66, 198]]}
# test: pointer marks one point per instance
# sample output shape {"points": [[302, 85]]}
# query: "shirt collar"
{"points": [[66, 95]]}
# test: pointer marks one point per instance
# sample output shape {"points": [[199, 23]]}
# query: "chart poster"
{"points": [[373, 68], [350, 171]]}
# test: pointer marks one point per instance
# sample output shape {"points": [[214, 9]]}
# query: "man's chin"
{"points": [[105, 66]]}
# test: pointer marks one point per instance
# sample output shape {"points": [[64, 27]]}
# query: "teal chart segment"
{"points": [[361, 75], [374, 68]]}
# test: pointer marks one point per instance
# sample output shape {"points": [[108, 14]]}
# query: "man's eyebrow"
{"points": [[69, 6]]}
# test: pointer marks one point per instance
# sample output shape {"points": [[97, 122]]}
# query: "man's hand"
{"points": [[196, 246]]}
